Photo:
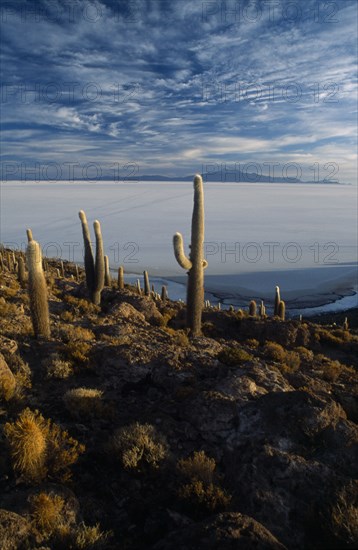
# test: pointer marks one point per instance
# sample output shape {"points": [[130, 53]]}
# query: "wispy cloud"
{"points": [[175, 85]]}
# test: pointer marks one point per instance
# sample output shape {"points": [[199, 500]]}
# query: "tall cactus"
{"points": [[99, 266], [37, 291], [29, 235], [195, 264], [89, 260]]}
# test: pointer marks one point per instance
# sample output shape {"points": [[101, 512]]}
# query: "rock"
{"points": [[227, 531], [7, 380], [14, 530], [126, 312]]}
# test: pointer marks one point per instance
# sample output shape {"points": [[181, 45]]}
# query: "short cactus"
{"points": [[252, 308], [346, 324], [21, 272], [282, 310], [164, 294], [195, 264], [120, 278], [146, 283], [37, 291], [277, 300], [262, 309]]}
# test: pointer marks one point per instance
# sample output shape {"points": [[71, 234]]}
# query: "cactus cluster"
{"points": [[95, 270]]}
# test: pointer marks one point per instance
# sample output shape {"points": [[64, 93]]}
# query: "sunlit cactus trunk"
{"points": [[37, 291], [195, 264]]}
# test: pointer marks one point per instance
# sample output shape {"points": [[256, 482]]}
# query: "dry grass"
{"points": [[46, 511]]}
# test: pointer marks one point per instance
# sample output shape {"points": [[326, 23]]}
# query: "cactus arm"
{"points": [[205, 264], [180, 257]]}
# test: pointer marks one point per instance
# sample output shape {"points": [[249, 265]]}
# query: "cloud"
{"points": [[174, 84]]}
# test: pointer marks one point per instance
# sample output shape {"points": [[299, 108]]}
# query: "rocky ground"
{"points": [[120, 432]]}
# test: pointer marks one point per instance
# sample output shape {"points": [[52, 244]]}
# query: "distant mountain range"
{"points": [[237, 177]]}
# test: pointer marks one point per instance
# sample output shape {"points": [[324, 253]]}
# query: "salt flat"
{"points": [[300, 236]]}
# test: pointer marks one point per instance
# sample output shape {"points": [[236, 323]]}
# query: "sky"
{"points": [[125, 88]]}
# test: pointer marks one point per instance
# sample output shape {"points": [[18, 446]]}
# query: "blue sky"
{"points": [[178, 86]]}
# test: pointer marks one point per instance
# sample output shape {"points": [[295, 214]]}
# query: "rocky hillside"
{"points": [[119, 432]]}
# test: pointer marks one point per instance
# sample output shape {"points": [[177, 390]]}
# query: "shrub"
{"points": [[252, 343], [199, 466], [90, 537], [40, 448], [78, 352], [234, 356], [139, 444], [179, 336], [84, 402], [62, 452], [305, 354], [200, 493], [57, 368], [72, 333], [203, 498], [274, 351], [46, 511]]}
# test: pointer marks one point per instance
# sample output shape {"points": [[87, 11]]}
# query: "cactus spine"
{"points": [[277, 300], [99, 266], [37, 291], [282, 310], [120, 278], [195, 264], [107, 274]]}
